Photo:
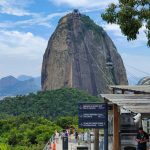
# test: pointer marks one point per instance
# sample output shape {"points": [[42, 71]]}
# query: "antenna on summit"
{"points": [[76, 11]]}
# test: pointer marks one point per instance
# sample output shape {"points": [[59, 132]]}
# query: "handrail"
{"points": [[81, 141], [50, 140]]}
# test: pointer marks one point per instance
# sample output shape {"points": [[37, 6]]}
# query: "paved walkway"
{"points": [[72, 144]]}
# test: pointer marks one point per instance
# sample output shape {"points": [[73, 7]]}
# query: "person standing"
{"points": [[54, 146], [66, 133], [142, 139], [49, 147], [76, 136], [56, 137]]}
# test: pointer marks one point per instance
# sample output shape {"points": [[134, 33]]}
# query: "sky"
{"points": [[26, 26]]}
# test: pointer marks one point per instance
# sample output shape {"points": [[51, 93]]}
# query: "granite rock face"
{"points": [[81, 55]]}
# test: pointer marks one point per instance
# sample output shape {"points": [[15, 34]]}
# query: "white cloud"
{"points": [[5, 24], [115, 30], [38, 19], [15, 7], [20, 52], [20, 43], [84, 3]]}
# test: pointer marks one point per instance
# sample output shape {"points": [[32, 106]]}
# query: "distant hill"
{"points": [[11, 86], [24, 77], [49, 104]]}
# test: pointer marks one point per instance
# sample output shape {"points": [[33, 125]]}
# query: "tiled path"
{"points": [[72, 144]]}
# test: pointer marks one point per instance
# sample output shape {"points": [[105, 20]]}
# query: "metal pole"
{"points": [[116, 128], [83, 134], [106, 131], [90, 141], [96, 141], [105, 139]]}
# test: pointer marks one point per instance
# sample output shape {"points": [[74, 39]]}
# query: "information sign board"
{"points": [[93, 115]]}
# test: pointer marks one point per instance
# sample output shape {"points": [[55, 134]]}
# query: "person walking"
{"points": [[142, 139], [56, 137], [49, 146], [54, 146], [76, 136]]}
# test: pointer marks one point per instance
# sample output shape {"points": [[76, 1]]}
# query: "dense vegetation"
{"points": [[90, 24], [49, 104], [131, 16], [67, 122], [27, 122], [25, 133]]}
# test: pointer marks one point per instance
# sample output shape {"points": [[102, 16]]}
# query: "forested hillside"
{"points": [[49, 104], [27, 122], [26, 133]]}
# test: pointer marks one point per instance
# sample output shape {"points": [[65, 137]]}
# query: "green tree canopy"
{"points": [[27, 122], [48, 104], [25, 132], [130, 15]]}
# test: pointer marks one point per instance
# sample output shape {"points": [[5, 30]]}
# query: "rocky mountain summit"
{"points": [[81, 55]]}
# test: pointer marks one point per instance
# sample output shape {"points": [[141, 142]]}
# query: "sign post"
{"points": [[106, 132], [65, 143], [95, 116]]}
